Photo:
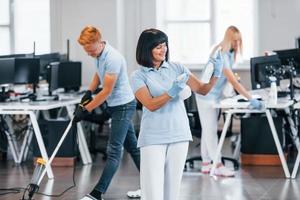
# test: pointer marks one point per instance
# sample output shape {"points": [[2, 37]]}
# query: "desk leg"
{"points": [[276, 140], [26, 142], [220, 145], [237, 150], [27, 145], [296, 166], [83, 148], [40, 142], [13, 147], [83, 145]]}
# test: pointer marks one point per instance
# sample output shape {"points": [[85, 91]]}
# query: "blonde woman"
{"points": [[230, 47]]}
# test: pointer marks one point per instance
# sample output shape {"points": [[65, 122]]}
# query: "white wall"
{"points": [[278, 24], [139, 15], [68, 18], [122, 22]]}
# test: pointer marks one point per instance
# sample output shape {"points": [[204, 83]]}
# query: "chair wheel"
{"points": [[236, 166], [192, 165]]}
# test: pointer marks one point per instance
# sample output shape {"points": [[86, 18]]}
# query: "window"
{"points": [[29, 23], [5, 27], [32, 24], [194, 26], [242, 15]]}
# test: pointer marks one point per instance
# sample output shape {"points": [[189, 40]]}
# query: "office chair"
{"points": [[99, 134], [100, 118], [195, 126]]}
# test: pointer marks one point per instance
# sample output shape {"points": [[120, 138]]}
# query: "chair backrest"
{"points": [[193, 116]]}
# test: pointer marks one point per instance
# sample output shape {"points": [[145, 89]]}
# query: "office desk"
{"points": [[232, 106], [32, 109]]}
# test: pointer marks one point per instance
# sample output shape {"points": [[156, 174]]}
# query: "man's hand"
{"points": [[87, 98], [80, 113]]}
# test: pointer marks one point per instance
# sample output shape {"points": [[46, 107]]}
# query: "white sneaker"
{"points": [[205, 169], [224, 171], [134, 194], [89, 197]]}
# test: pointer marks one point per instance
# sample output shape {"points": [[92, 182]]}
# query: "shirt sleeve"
{"points": [[182, 69], [226, 60], [137, 81]]}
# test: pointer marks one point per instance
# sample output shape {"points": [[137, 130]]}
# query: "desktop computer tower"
{"points": [[52, 131], [256, 135]]}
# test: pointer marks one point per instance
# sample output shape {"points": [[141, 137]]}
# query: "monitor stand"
{"points": [[3, 95]]}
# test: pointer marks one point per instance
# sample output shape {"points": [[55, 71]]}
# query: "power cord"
{"points": [[6, 191], [62, 193], [52, 195]]}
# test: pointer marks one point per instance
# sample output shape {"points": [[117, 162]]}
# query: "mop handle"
{"points": [[55, 151]]}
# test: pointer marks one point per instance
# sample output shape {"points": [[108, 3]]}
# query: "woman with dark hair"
{"points": [[164, 133]]}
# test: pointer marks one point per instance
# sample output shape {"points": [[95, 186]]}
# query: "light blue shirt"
{"points": [[112, 62], [216, 92], [169, 123]]}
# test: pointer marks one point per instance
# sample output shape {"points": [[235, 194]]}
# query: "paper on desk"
{"points": [[233, 103]]}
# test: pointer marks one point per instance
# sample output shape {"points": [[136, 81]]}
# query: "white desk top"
{"points": [[65, 100], [232, 103]]}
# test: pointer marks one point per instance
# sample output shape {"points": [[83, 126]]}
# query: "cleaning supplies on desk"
{"points": [[272, 100], [209, 67]]}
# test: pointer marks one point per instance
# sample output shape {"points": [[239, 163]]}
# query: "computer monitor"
{"points": [[65, 75], [45, 60], [65, 79], [262, 68], [27, 70], [52, 77], [290, 57], [7, 70]]}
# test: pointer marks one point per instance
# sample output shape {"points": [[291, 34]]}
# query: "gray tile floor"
{"points": [[259, 182]]}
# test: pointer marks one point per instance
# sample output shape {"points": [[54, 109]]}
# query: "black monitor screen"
{"points": [[262, 68], [290, 57], [65, 75], [27, 70], [69, 75], [45, 60], [52, 76], [7, 70]]}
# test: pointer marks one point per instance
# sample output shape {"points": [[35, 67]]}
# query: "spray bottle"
{"points": [[273, 91], [209, 67]]}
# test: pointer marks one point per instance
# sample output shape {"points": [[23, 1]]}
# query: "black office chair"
{"points": [[98, 138], [195, 126]]}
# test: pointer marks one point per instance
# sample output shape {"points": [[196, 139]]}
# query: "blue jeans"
{"points": [[122, 133]]}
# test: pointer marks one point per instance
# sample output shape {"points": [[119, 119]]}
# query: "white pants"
{"points": [[209, 124], [161, 170]]}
